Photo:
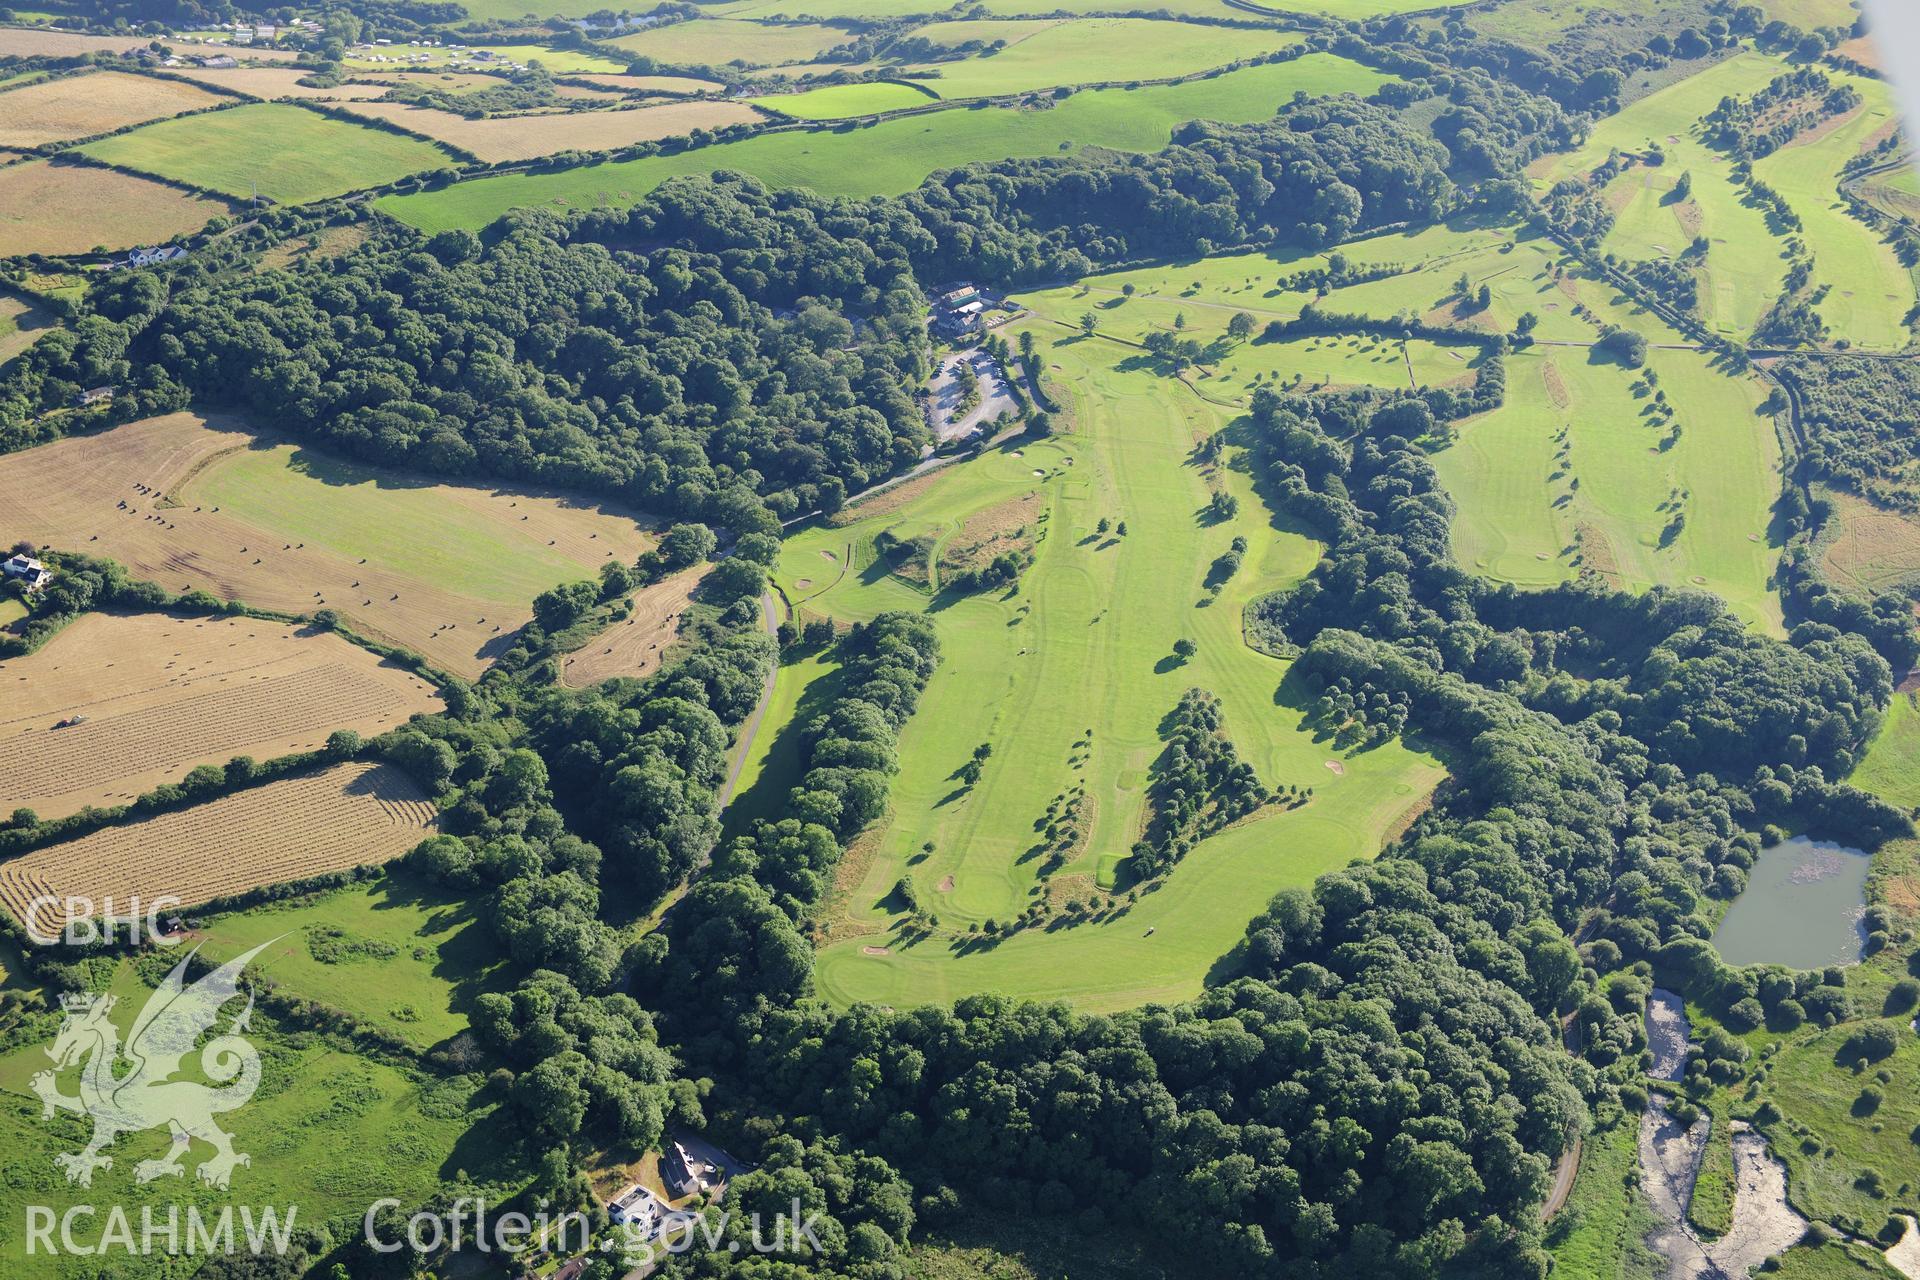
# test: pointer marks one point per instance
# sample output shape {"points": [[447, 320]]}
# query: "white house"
{"points": [[26, 569]]}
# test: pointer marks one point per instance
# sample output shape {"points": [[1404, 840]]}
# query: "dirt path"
{"points": [[1563, 1175], [769, 616]]}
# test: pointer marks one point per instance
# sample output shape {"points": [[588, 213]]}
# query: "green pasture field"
{"points": [[327, 1131], [1044, 53], [893, 156], [1346, 10], [1085, 644], [361, 513], [1745, 263], [719, 41], [392, 953], [1891, 767], [1827, 1140], [839, 101], [11, 611], [284, 152], [1809, 14], [1871, 293]]}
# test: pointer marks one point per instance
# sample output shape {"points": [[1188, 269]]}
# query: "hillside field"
{"points": [[59, 209], [160, 694], [23, 322], [327, 1131], [81, 106], [896, 155], [449, 570], [840, 101], [274, 149], [1890, 768], [635, 645], [721, 41], [391, 952], [332, 819], [1048, 52], [525, 137]]}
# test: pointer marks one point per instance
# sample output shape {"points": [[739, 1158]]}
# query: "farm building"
{"points": [[27, 570]]}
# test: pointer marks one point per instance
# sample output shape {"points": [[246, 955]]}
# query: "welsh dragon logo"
{"points": [[147, 1096]]}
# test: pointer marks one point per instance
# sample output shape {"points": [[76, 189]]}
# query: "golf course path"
{"points": [[769, 617]]}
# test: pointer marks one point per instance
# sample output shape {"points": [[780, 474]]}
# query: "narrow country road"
{"points": [[769, 615]]}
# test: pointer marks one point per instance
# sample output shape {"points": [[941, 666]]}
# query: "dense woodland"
{"points": [[1374, 1083], [1862, 419]]}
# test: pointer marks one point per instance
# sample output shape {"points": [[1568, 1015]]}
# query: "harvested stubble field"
{"points": [[161, 694], [83, 106], [267, 83], [348, 815], [526, 137], [718, 41], [448, 570], [59, 209], [634, 647]]}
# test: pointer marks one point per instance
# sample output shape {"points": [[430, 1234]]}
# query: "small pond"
{"points": [[1804, 906]]}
